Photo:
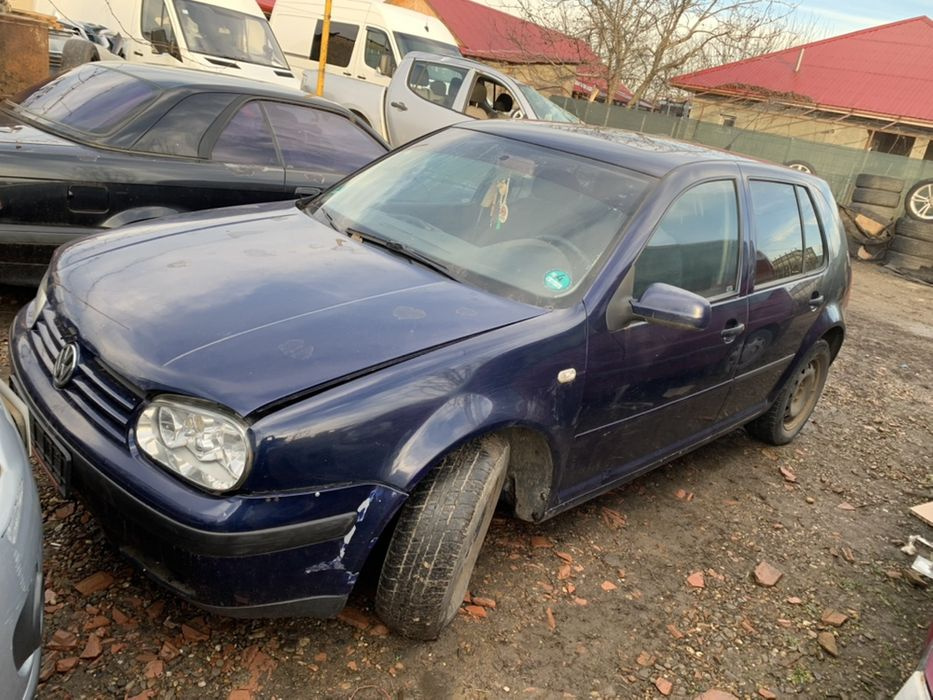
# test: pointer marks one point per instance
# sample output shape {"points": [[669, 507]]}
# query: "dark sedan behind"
{"points": [[111, 143]]}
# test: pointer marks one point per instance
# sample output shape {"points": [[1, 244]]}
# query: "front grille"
{"points": [[94, 390]]}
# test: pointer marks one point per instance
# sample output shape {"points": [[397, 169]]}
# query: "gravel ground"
{"points": [[654, 589]]}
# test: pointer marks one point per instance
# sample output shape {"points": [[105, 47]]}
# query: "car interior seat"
{"points": [[477, 106]]}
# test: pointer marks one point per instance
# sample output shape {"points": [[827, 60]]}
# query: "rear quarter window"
{"points": [[315, 139]]}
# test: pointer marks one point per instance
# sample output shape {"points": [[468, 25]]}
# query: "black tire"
{"points": [[883, 215], [911, 246], [910, 263], [876, 197], [918, 202], [920, 230], [879, 182], [801, 165], [792, 409], [438, 537], [76, 52]]}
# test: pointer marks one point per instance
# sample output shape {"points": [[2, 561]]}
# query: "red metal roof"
{"points": [[885, 71], [593, 77], [489, 34]]}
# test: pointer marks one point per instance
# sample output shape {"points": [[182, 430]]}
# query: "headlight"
{"points": [[34, 310], [196, 441]]}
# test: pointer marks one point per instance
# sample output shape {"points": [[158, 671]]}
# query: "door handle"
{"points": [[730, 333], [816, 300], [361, 77], [307, 191], [348, 73], [400, 106], [138, 53]]}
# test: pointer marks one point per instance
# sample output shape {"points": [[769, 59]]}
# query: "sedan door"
{"points": [[424, 96], [653, 390]]}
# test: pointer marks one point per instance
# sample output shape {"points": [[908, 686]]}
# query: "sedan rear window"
{"points": [[91, 99]]}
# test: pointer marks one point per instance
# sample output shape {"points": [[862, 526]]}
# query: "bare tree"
{"points": [[643, 43]]}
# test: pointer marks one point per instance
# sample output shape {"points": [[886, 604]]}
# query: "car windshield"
{"points": [[224, 33], [410, 42], [91, 99], [516, 219], [544, 108]]}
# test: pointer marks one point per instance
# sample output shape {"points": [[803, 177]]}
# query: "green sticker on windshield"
{"points": [[558, 280]]}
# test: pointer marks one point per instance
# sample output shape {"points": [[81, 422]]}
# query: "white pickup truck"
{"points": [[428, 91]]}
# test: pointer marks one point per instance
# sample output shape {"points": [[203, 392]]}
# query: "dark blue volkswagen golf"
{"points": [[250, 398]]}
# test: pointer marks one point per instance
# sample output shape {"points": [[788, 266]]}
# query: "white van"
{"points": [[222, 36], [367, 41]]}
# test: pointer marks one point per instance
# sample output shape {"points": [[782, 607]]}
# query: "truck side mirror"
{"points": [[162, 44], [387, 64]]}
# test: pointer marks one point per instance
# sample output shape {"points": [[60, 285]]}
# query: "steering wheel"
{"points": [[566, 246]]}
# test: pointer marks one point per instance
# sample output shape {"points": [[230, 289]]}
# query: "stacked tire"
{"points": [[911, 250], [878, 198]]}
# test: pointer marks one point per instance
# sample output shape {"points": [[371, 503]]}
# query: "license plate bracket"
{"points": [[51, 456]]}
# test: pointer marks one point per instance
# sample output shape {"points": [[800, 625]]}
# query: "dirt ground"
{"points": [[648, 590]]}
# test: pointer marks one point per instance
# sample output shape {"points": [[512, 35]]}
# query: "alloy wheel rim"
{"points": [[921, 202]]}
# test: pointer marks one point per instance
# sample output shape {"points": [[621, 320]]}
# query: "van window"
{"points": [[157, 27], [696, 244], [410, 42], [377, 46], [339, 45]]}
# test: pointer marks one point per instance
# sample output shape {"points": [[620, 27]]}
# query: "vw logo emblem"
{"points": [[65, 364]]}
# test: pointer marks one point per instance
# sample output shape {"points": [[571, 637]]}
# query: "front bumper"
{"points": [[250, 555]]}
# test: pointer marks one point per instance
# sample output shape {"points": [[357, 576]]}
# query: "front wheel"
{"points": [[794, 405], [438, 537]]}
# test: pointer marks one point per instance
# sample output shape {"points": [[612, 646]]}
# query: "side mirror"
{"points": [[668, 305], [159, 39], [387, 65], [162, 44]]}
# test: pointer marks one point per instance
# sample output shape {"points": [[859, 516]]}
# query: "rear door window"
{"points": [[342, 37], [695, 246], [788, 235], [180, 130], [315, 139], [247, 139], [812, 232]]}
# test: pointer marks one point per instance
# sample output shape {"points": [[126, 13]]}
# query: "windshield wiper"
{"points": [[399, 249]]}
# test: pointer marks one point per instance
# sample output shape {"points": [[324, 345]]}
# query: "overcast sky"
{"points": [[831, 17]]}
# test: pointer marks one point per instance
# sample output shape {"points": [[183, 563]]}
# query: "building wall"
{"points": [[796, 124]]}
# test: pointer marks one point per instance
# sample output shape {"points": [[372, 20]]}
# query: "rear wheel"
{"points": [[438, 537], [794, 405]]}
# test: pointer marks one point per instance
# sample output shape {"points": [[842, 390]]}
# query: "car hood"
{"points": [[250, 305]]}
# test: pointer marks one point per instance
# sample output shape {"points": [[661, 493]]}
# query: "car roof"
{"points": [[172, 77], [652, 155]]}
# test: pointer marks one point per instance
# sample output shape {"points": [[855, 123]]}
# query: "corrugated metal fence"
{"points": [[838, 165]]}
